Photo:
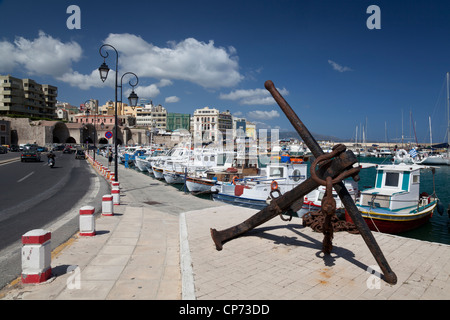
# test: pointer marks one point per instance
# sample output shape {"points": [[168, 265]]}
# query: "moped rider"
{"points": [[50, 156]]}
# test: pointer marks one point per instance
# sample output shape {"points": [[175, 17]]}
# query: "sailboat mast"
{"points": [[431, 137], [448, 111]]}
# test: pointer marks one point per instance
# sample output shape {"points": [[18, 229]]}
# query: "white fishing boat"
{"points": [[255, 191], [313, 200], [201, 176], [179, 152], [175, 171]]}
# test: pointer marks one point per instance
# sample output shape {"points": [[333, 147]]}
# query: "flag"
{"points": [[413, 153]]}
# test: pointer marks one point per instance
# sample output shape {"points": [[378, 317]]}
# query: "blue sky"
{"points": [[335, 72]]}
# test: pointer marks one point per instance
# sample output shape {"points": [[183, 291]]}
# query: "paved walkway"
{"points": [[157, 246]]}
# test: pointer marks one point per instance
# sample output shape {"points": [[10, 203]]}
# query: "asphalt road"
{"points": [[35, 196]]}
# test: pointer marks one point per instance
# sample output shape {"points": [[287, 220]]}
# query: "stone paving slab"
{"points": [[283, 260]]}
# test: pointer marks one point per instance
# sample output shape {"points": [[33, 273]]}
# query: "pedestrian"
{"points": [[109, 158]]}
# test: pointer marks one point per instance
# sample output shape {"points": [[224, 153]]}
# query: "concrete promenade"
{"points": [[157, 246]]}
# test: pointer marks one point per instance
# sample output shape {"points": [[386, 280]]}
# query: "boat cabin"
{"points": [[396, 188]]}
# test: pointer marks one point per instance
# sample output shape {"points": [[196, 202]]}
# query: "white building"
{"points": [[209, 123], [150, 116]]}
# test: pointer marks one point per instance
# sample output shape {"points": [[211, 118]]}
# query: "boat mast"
{"points": [[448, 113], [431, 137]]}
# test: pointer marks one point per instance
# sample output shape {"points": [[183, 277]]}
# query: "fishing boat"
{"points": [[179, 152], [395, 204], [234, 167], [208, 165], [257, 191], [313, 200]]}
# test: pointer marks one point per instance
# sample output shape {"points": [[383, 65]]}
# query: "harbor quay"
{"points": [[157, 246]]}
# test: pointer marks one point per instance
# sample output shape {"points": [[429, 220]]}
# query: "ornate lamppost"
{"points": [[133, 98]]}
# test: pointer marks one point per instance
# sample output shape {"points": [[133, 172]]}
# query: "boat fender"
{"points": [[235, 178], [274, 185], [440, 207]]}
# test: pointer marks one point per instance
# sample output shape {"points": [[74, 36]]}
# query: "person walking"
{"points": [[110, 157]]}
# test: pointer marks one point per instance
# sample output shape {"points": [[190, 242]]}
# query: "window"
{"points": [[416, 179], [296, 175], [391, 179], [276, 172]]}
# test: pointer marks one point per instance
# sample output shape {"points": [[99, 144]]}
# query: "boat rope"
{"points": [[315, 220], [370, 210]]}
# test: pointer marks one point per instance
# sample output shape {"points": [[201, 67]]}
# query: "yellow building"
{"points": [[123, 109]]}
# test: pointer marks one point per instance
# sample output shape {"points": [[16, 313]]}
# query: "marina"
{"points": [[435, 229]]}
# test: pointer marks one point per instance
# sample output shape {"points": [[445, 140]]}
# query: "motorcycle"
{"points": [[51, 163]]}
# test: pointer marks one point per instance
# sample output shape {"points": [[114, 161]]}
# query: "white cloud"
{"points": [[7, 61], [190, 60], [172, 99], [338, 67], [164, 83], [252, 96], [86, 81], [263, 115], [150, 91], [44, 55]]}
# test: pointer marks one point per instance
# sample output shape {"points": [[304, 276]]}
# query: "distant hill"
{"points": [[318, 137]]}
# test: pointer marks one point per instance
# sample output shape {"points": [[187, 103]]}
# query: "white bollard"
{"points": [[115, 185], [87, 221], [116, 196], [36, 256], [107, 205]]}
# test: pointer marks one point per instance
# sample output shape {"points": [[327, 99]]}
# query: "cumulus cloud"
{"points": [[149, 91], [190, 60], [172, 99], [263, 115], [202, 63], [87, 81], [338, 67], [252, 96], [44, 55]]}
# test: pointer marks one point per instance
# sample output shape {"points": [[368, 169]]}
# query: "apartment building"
{"points": [[151, 116], [27, 97], [210, 123]]}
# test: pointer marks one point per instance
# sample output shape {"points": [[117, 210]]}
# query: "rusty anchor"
{"points": [[333, 168]]}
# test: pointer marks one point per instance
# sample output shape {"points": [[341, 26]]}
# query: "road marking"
{"points": [[25, 177]]}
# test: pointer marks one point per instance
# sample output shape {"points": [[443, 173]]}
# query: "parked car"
{"points": [[58, 148], [14, 148], [80, 154], [3, 149], [30, 154]]}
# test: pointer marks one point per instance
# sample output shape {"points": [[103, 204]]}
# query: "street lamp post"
{"points": [[104, 69]]}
